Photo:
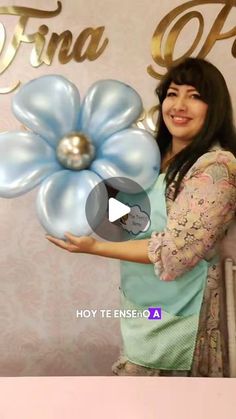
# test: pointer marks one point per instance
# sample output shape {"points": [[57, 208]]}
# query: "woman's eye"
{"points": [[196, 96], [169, 94]]}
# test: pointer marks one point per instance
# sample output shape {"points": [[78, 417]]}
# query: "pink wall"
{"points": [[42, 286]]}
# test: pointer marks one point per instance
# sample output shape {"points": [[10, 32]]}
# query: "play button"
{"points": [[116, 210], [118, 216]]}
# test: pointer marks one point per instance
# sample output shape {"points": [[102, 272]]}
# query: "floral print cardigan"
{"points": [[198, 217], [197, 221]]}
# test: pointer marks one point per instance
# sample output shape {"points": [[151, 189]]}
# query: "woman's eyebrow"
{"points": [[174, 88], [191, 89]]}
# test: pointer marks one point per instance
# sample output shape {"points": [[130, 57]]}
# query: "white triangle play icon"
{"points": [[116, 210]]}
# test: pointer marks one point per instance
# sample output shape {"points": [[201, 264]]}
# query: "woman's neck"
{"points": [[174, 148], [177, 145]]}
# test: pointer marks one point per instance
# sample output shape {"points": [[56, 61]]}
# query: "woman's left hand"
{"points": [[74, 244]]}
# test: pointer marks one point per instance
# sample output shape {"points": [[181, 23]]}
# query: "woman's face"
{"points": [[183, 111]]}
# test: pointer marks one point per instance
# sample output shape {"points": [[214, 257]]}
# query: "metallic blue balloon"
{"points": [[131, 153], [26, 160], [49, 106], [108, 107], [61, 202]]}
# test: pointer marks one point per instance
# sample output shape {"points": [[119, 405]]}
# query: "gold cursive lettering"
{"points": [[88, 45], [163, 54], [39, 42], [234, 49], [92, 51], [90, 36], [66, 41], [19, 36]]}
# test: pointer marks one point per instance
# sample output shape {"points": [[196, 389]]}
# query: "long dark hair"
{"points": [[218, 126]]}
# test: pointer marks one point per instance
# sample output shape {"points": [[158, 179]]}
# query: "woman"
{"points": [[192, 205]]}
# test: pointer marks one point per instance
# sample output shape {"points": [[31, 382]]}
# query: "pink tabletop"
{"points": [[117, 398]]}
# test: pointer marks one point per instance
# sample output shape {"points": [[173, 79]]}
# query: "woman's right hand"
{"points": [[131, 250], [74, 244]]}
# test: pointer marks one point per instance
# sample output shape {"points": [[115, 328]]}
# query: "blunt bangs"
{"points": [[188, 72]]}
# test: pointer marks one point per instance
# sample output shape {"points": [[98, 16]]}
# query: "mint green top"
{"points": [[167, 343]]}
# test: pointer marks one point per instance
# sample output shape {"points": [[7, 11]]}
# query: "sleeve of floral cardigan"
{"points": [[198, 217]]}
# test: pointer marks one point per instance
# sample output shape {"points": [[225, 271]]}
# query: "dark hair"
{"points": [[218, 126]]}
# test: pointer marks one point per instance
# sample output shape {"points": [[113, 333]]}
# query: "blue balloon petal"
{"points": [[61, 203], [26, 160], [131, 153], [108, 107], [49, 106]]}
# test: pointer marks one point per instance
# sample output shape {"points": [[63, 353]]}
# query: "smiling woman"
{"points": [[183, 112], [176, 260]]}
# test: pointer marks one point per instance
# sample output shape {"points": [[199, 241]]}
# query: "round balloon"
{"points": [[70, 147]]}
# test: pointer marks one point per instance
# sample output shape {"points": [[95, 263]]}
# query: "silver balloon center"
{"points": [[75, 151]]}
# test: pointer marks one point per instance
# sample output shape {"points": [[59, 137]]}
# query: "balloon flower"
{"points": [[70, 147]]}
